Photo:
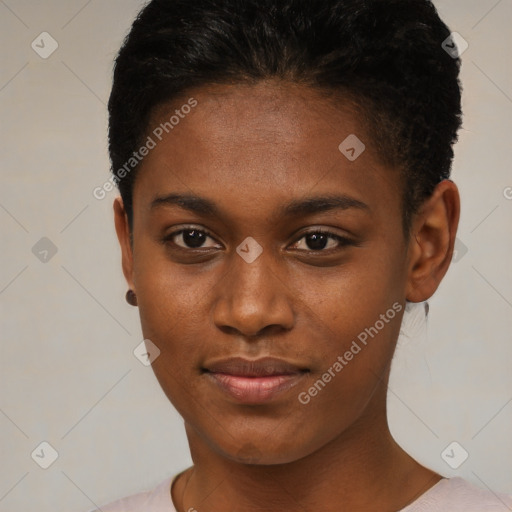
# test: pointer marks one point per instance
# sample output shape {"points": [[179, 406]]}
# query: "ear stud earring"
{"points": [[131, 298]]}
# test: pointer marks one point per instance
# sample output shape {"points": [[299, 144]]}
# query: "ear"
{"points": [[432, 241], [123, 235]]}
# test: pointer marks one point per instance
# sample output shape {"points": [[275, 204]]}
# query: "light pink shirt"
{"points": [[448, 495]]}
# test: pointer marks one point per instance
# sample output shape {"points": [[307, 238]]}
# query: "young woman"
{"points": [[284, 176]]}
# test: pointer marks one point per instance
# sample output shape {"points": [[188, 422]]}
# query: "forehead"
{"points": [[269, 112], [264, 142]]}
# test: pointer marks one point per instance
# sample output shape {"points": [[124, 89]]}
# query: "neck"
{"points": [[360, 468]]}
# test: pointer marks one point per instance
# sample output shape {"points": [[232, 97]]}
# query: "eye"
{"points": [[190, 238], [318, 240]]}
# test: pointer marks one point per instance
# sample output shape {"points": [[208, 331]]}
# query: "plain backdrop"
{"points": [[68, 373]]}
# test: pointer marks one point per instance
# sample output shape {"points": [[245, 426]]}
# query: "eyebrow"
{"points": [[295, 208]]}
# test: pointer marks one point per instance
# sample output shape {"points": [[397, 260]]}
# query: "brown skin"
{"points": [[250, 149]]}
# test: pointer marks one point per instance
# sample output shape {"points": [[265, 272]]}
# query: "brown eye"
{"points": [[190, 238], [319, 240]]}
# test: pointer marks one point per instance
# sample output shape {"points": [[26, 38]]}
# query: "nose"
{"points": [[253, 297]]}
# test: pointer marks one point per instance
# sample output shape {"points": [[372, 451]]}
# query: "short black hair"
{"points": [[387, 55]]}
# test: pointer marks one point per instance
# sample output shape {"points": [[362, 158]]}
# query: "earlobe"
{"points": [[124, 238], [432, 241]]}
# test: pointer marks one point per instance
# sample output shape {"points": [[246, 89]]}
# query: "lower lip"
{"points": [[255, 390]]}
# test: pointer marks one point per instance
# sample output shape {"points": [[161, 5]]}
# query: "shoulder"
{"points": [[156, 500], [459, 495]]}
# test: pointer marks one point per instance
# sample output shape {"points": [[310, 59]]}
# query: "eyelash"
{"points": [[343, 241]]}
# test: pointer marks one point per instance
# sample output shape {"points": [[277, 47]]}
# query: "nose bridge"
{"points": [[255, 279], [253, 296]]}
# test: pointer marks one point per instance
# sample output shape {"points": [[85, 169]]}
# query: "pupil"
{"points": [[316, 241], [191, 241]]}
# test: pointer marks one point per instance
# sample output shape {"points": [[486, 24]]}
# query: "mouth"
{"points": [[254, 381]]}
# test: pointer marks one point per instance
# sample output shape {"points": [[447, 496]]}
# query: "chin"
{"points": [[261, 452]]}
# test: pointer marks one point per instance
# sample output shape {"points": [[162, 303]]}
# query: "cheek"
{"points": [[359, 313], [168, 292], [349, 301], [352, 368], [172, 321], [173, 317]]}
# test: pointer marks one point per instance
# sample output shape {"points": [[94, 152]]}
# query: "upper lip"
{"points": [[263, 367]]}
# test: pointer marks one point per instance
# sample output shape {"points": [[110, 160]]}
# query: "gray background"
{"points": [[68, 373]]}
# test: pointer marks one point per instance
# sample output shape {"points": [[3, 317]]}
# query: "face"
{"points": [[284, 247]]}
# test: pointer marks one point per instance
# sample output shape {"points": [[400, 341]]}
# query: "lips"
{"points": [[263, 367], [254, 381]]}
